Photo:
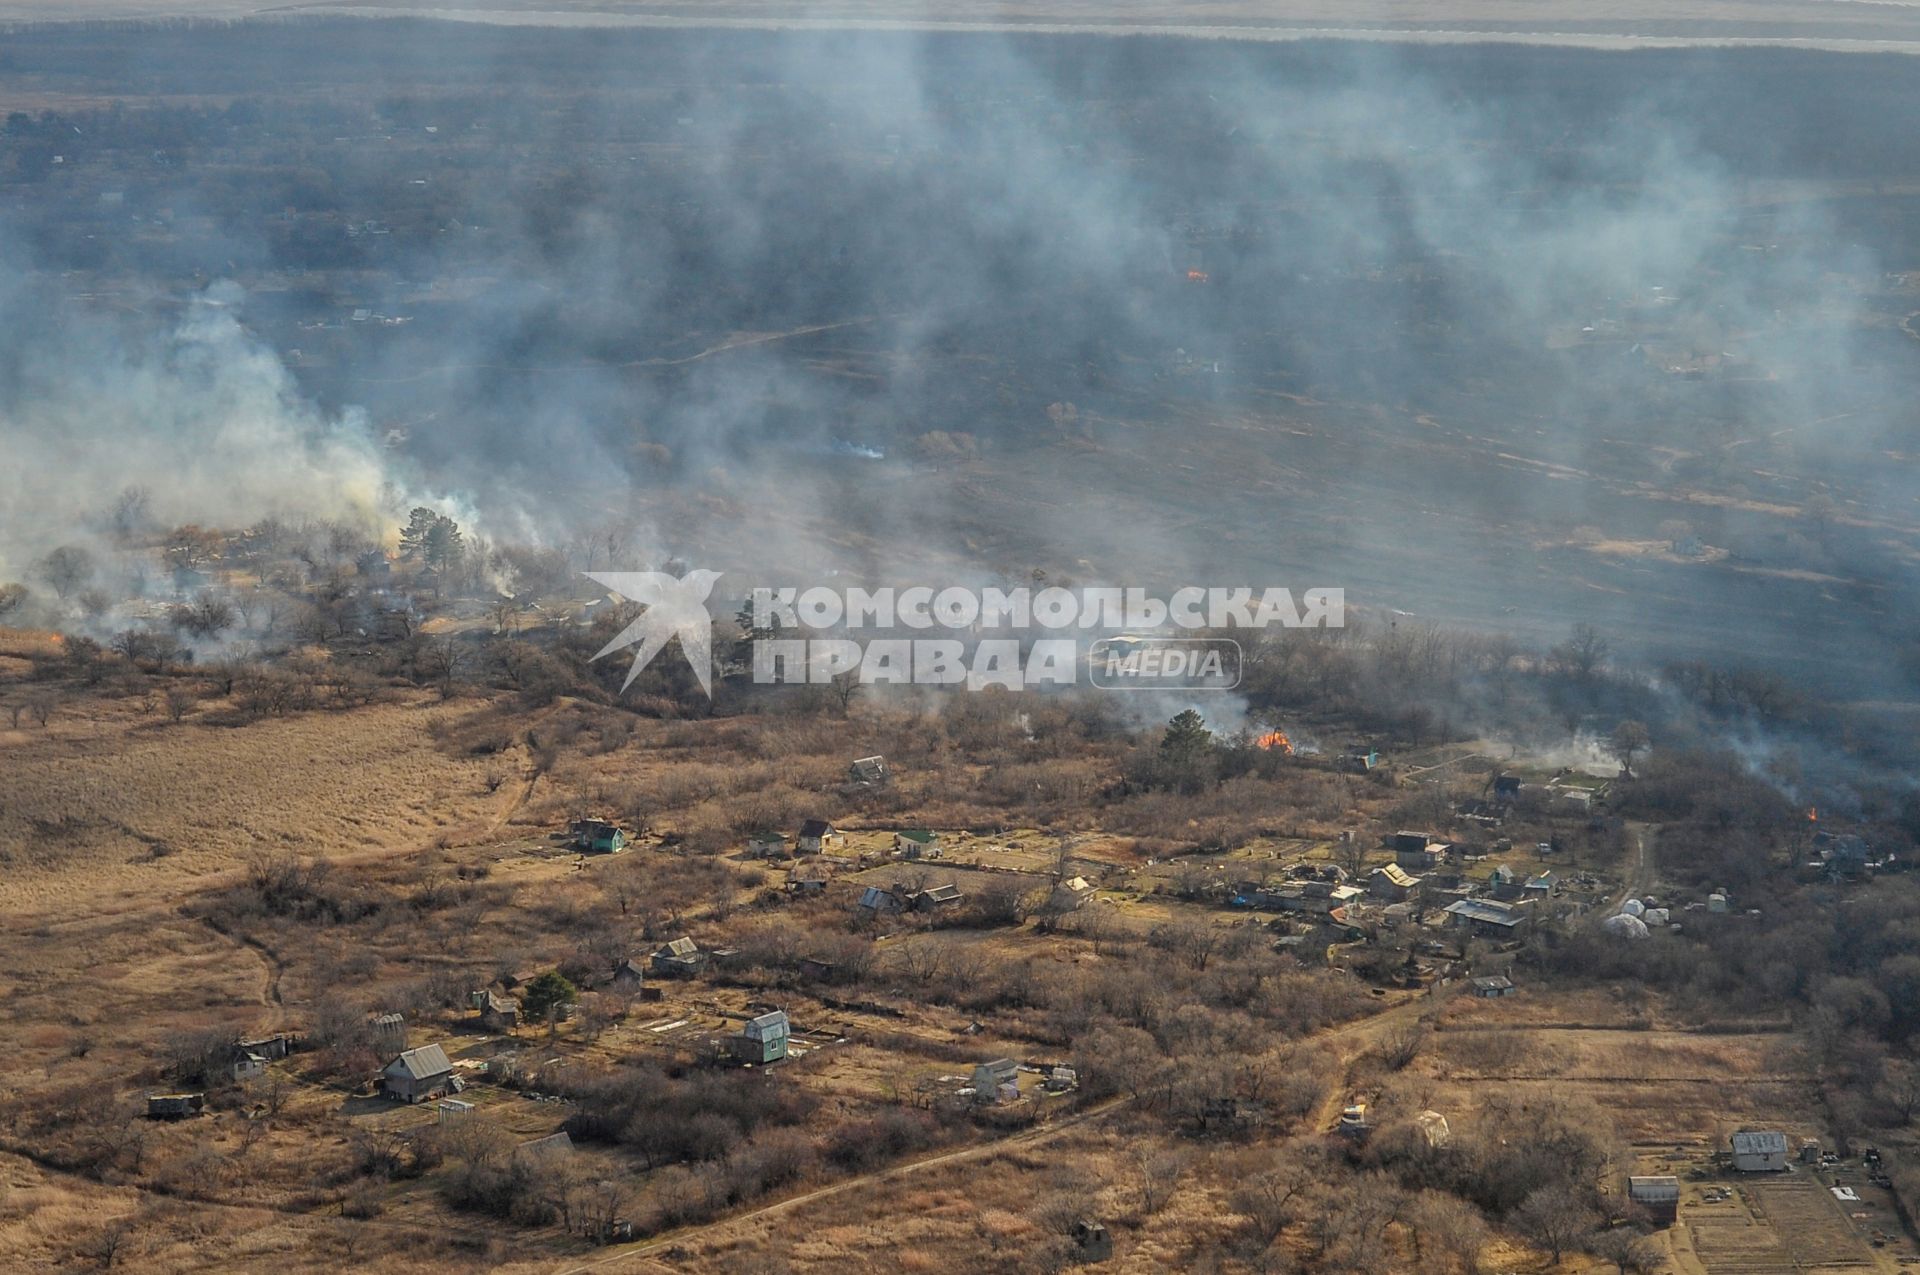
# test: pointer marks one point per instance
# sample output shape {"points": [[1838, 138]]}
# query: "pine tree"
{"points": [[434, 539], [1187, 735]]}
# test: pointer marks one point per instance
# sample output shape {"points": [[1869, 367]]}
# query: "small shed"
{"points": [[497, 1013], [763, 1039], [453, 1110], [1492, 986], [996, 1081], [1657, 1196], [1092, 1241], [1070, 895], [934, 896], [596, 836], [768, 845], [1759, 1151], [629, 975], [680, 958], [418, 1074], [175, 1106], [1417, 851], [814, 836], [868, 770], [808, 880], [875, 900], [917, 843], [272, 1048]]}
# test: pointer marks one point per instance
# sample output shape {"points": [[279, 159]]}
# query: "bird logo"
{"points": [[675, 608]]}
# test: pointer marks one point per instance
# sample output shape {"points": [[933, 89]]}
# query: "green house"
{"points": [[597, 836], [917, 843], [763, 1039]]}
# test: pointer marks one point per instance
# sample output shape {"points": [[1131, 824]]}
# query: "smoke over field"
{"points": [[1503, 338]]}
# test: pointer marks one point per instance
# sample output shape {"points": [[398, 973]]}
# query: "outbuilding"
{"points": [[1759, 1151], [996, 1080], [419, 1074], [1658, 1197], [763, 1039]]}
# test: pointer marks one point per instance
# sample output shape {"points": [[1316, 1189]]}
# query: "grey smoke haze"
{"points": [[604, 241]]}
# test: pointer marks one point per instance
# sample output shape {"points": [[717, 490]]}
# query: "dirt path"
{"points": [[1032, 1137], [272, 967], [1362, 1032], [1639, 862]]}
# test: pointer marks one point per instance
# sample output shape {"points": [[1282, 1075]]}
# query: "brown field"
{"points": [[139, 850], [142, 807]]}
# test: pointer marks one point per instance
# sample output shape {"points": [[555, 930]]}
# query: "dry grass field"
{"points": [[137, 807]]}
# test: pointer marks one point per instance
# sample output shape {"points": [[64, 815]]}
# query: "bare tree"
{"points": [[1630, 1252], [1630, 739], [65, 570], [1902, 1089], [1351, 854], [1270, 1198], [1446, 1226], [107, 1245], [1402, 1044], [1583, 653], [1160, 1174], [1554, 1218]]}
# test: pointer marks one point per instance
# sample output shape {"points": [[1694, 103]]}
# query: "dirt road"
{"points": [[639, 1254], [1362, 1031]]}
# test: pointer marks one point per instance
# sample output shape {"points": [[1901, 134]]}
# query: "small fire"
{"points": [[1813, 815], [1197, 276], [1276, 739]]}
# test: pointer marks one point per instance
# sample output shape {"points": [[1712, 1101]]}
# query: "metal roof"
{"points": [[1488, 910], [425, 1062], [768, 1026], [1759, 1142]]}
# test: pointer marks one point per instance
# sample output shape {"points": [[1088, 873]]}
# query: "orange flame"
{"points": [[1197, 276], [1276, 739], [1813, 815]]}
